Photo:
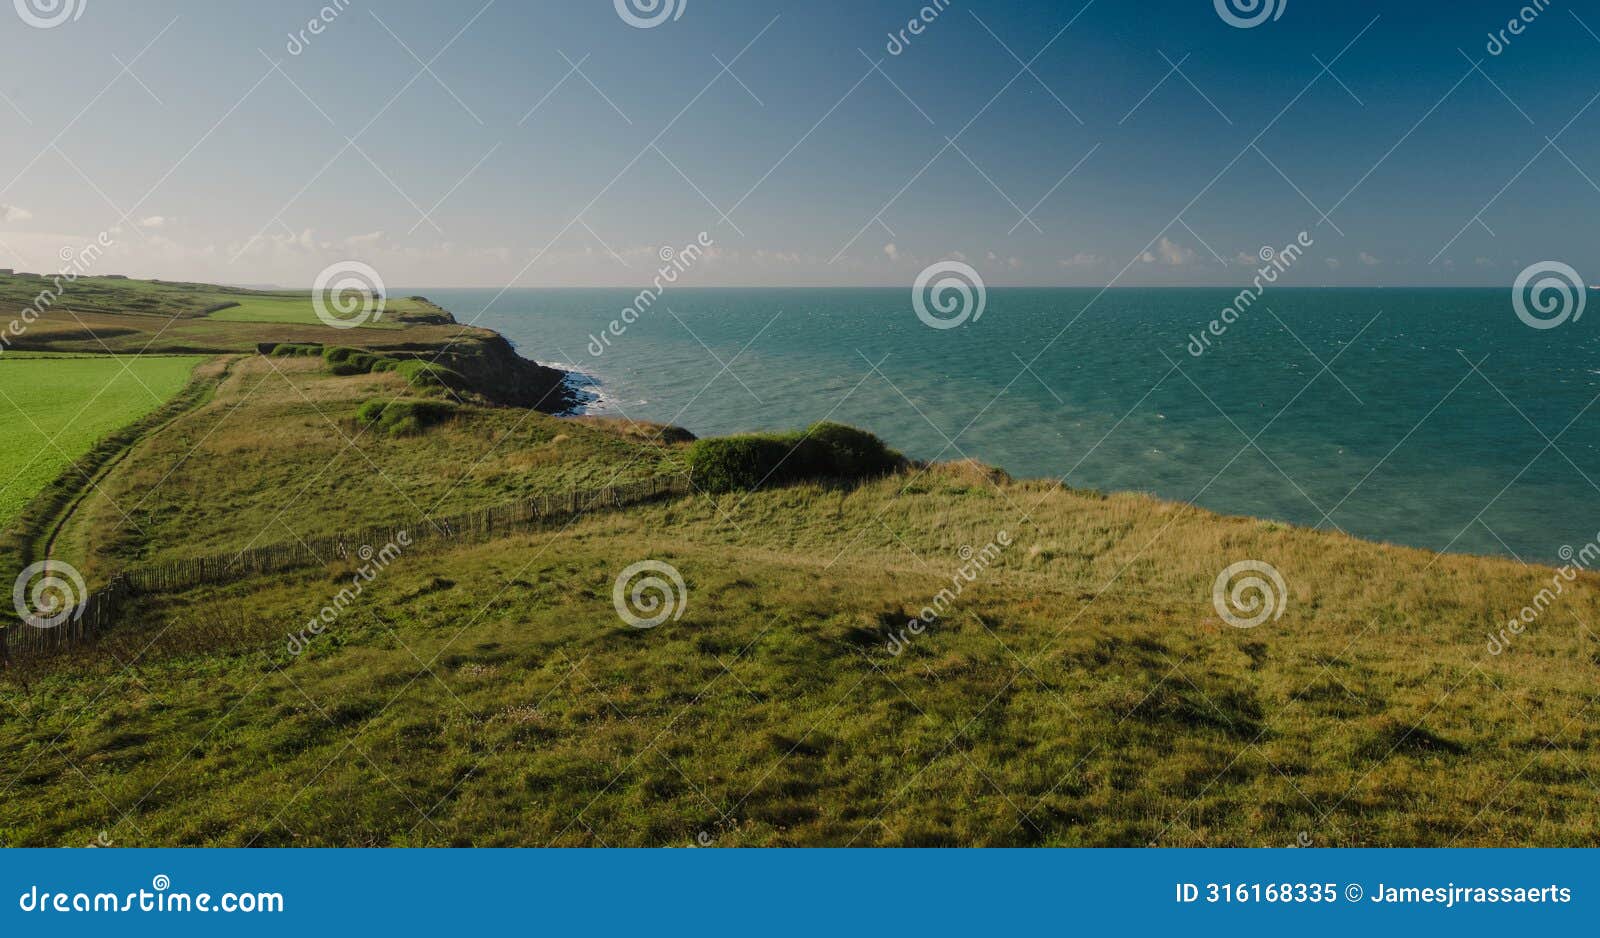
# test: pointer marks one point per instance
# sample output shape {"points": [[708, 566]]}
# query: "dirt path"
{"points": [[92, 485]]}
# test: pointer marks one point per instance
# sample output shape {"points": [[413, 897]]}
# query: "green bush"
{"points": [[349, 361], [738, 463], [295, 350], [418, 373], [847, 453], [423, 374], [404, 417], [825, 451]]}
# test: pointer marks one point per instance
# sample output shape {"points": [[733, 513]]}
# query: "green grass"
{"points": [[1080, 690], [55, 409], [493, 689], [281, 452], [299, 310]]}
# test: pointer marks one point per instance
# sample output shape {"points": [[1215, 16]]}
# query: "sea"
{"points": [[1434, 418]]}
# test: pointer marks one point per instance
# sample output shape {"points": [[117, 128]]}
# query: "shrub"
{"points": [[427, 374], [295, 350], [404, 417], [849, 453], [734, 463], [349, 361], [420, 374], [825, 451]]}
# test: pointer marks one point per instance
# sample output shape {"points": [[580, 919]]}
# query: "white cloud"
{"points": [[1081, 259], [1369, 260], [1172, 254], [154, 221], [11, 213], [1015, 263], [892, 250], [1334, 263]]}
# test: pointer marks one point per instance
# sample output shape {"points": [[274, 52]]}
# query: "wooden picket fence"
{"points": [[100, 608], [98, 611]]}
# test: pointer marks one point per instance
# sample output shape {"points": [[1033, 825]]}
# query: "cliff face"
{"points": [[494, 370]]}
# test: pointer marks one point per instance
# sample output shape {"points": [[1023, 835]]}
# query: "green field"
{"points": [[299, 310], [55, 409]]}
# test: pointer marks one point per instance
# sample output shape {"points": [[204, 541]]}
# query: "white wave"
{"points": [[587, 390]]}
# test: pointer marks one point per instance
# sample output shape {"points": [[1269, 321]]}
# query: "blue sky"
{"points": [[554, 144]]}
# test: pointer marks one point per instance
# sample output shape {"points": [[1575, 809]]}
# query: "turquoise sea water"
{"points": [[1399, 441]]}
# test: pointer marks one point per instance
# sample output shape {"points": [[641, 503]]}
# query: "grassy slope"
{"points": [[1083, 692], [277, 455], [54, 411], [493, 690], [289, 309]]}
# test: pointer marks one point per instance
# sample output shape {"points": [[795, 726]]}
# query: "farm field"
{"points": [[299, 310], [55, 409]]}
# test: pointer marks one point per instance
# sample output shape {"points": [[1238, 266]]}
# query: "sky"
{"points": [[525, 144]]}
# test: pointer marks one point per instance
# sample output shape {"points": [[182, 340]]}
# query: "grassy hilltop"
{"points": [[1080, 689]]}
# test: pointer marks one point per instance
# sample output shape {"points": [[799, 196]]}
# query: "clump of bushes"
{"points": [[405, 416], [349, 361], [825, 451], [420, 374], [294, 350]]}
